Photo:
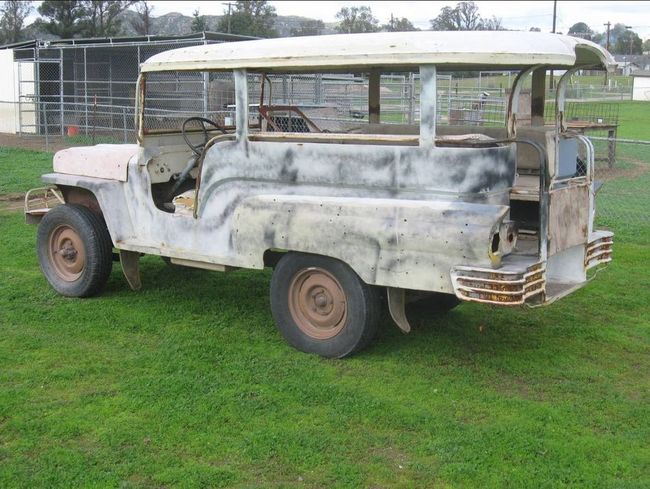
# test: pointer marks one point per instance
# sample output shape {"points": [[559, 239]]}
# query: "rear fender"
{"points": [[396, 243]]}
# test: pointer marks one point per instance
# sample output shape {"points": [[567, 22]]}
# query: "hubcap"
{"points": [[317, 303], [67, 253]]}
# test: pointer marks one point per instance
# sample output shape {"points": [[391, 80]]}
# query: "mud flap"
{"points": [[130, 261], [397, 308]]}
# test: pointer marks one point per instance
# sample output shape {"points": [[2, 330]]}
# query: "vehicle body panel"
{"points": [[400, 216]]}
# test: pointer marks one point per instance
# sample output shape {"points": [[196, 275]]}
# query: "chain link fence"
{"points": [[623, 198]]}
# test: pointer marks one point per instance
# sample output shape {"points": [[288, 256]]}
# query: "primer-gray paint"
{"points": [[399, 216]]}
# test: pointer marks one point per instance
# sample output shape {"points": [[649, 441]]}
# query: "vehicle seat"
{"points": [[184, 203]]}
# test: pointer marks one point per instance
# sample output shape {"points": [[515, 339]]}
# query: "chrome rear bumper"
{"points": [[522, 279], [599, 249], [500, 287]]}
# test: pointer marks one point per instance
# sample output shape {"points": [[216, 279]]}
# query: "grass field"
{"points": [[634, 120], [186, 383], [22, 169]]}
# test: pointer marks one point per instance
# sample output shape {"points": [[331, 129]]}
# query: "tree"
{"points": [[250, 18], [142, 24], [199, 22], [599, 38], [628, 43], [617, 31], [464, 17], [65, 17], [646, 45], [399, 25], [493, 24], [356, 19], [580, 29], [307, 28], [103, 20], [535, 29], [12, 18]]}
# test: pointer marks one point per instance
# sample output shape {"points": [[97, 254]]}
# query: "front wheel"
{"points": [[74, 250], [321, 306]]}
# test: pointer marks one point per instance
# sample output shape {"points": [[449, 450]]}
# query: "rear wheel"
{"points": [[321, 306], [74, 250]]}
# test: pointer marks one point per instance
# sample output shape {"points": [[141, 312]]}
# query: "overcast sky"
{"points": [[515, 15]]}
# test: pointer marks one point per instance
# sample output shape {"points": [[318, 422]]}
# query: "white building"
{"points": [[641, 85], [16, 111]]}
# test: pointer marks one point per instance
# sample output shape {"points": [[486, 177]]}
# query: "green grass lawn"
{"points": [[187, 384], [634, 121], [22, 169]]}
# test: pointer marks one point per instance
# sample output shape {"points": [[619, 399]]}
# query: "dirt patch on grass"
{"points": [[635, 168], [12, 202], [34, 143], [517, 387]]}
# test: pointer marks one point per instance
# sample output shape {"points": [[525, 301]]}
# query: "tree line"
{"points": [[622, 39], [102, 18]]}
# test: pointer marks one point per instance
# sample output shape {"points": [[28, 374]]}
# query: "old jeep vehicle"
{"points": [[349, 208]]}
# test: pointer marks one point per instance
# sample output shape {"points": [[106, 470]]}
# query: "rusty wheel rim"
{"points": [[317, 303], [67, 253]]}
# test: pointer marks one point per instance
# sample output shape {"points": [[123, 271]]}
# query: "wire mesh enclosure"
{"points": [[82, 88]]}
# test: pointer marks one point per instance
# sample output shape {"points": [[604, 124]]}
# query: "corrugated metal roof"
{"points": [[467, 49], [207, 36]]}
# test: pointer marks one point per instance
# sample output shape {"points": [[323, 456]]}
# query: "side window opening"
{"points": [[309, 103], [172, 97]]}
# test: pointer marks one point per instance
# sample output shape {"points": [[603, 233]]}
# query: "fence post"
{"points": [[85, 91], [410, 95], [47, 137], [124, 123], [61, 93], [611, 147]]}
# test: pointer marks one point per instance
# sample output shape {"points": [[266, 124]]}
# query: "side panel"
{"points": [[397, 243], [459, 173], [568, 217]]}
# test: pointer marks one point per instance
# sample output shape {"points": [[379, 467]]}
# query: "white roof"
{"points": [[471, 49]]}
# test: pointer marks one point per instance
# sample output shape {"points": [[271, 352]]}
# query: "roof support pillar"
{"points": [[427, 106], [241, 107], [537, 97], [374, 97]]}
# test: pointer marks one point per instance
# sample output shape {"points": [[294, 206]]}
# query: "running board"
{"points": [[202, 264]]}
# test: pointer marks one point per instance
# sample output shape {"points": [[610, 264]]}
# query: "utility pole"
{"points": [[607, 47], [229, 4], [630, 37], [552, 84]]}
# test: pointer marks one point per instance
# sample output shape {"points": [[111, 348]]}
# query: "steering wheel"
{"points": [[197, 148]]}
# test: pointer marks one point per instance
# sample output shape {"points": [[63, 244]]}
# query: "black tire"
{"points": [[81, 272], [422, 305], [358, 322]]}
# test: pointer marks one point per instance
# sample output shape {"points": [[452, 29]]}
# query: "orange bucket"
{"points": [[73, 130]]}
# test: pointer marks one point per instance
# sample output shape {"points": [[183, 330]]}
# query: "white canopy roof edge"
{"points": [[470, 49]]}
